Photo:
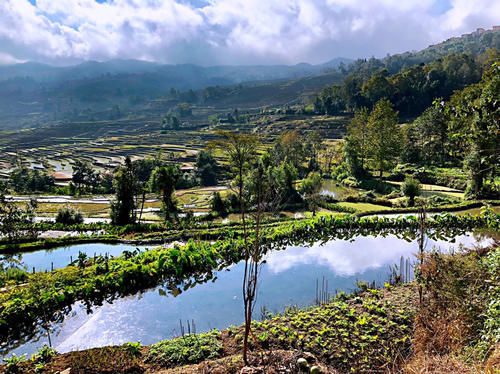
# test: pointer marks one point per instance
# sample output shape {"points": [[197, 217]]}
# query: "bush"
{"points": [[69, 216], [411, 188], [187, 349], [13, 273], [218, 205]]}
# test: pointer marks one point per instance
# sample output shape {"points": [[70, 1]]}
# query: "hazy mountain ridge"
{"points": [[93, 69], [34, 94]]}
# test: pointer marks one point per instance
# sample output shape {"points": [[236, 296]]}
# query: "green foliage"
{"points": [[69, 216], [356, 147], [411, 88], [490, 333], [104, 360], [163, 181], [312, 184], [474, 116], [310, 187], [187, 349], [426, 139], [411, 188], [16, 222], [218, 205], [207, 168], [384, 136], [84, 176], [11, 273], [353, 333], [134, 349], [99, 280], [44, 355], [26, 180], [126, 187], [12, 363]]}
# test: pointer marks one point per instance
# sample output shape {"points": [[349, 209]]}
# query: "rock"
{"points": [[311, 359], [315, 370], [302, 363]]}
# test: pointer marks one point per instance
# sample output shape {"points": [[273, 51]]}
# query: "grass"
{"points": [[364, 207], [187, 349]]}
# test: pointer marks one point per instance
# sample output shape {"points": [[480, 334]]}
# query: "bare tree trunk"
{"points": [[252, 259]]}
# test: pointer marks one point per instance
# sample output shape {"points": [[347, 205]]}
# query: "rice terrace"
{"points": [[188, 187]]}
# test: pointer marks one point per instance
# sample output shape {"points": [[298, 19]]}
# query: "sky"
{"points": [[225, 32]]}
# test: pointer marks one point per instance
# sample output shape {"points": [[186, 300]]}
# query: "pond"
{"points": [[338, 192], [288, 277], [60, 257]]}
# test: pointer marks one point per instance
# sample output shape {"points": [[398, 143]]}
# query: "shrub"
{"points": [[218, 205], [186, 349], [411, 188], [12, 363], [69, 216], [44, 355]]}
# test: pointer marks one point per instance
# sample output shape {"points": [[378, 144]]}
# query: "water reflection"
{"points": [[347, 258], [288, 277], [60, 257]]}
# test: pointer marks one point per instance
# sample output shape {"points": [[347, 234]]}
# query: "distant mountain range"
{"points": [[34, 94], [195, 76]]}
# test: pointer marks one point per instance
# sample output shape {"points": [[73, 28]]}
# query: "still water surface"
{"points": [[288, 277]]}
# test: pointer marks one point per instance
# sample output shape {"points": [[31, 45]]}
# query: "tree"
{"points": [[163, 181], [378, 87], [431, 131], [240, 150], [23, 179], [474, 114], [384, 136], [143, 169], [314, 144], [14, 220], [357, 132], [69, 216], [310, 188], [126, 187], [290, 147], [217, 204], [411, 188], [83, 175], [206, 168]]}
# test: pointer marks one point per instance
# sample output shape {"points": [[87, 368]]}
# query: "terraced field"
{"points": [[105, 144]]}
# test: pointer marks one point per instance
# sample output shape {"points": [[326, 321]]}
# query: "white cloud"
{"points": [[230, 31], [6, 59]]}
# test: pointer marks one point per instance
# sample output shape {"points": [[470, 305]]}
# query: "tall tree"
{"points": [[384, 136], [357, 132], [83, 175], [163, 181], [310, 187], [240, 149], [206, 168], [475, 118], [126, 187]]}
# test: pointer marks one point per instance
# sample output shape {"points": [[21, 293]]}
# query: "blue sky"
{"points": [[211, 32]]}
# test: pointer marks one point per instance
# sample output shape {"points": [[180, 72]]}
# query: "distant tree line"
{"points": [[411, 90], [464, 132]]}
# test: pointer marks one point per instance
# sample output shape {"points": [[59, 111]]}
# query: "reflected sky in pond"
{"points": [[288, 277], [346, 258], [61, 257]]}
